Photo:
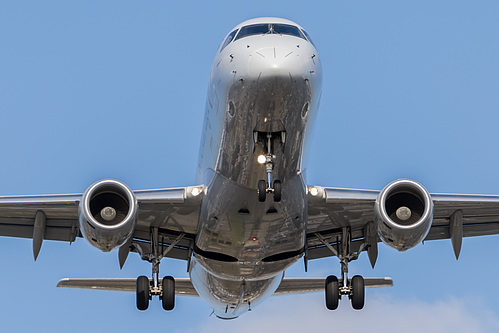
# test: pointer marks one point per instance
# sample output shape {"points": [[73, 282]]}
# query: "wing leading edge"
{"points": [[169, 212], [332, 210]]}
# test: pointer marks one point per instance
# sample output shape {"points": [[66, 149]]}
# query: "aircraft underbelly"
{"points": [[231, 298], [242, 238]]}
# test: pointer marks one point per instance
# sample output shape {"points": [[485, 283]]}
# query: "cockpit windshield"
{"points": [[285, 29], [308, 37], [264, 29], [227, 40], [255, 29]]}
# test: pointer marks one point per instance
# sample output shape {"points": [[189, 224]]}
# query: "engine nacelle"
{"points": [[403, 214], [108, 214]]}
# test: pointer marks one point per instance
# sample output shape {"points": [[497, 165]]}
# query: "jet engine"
{"points": [[108, 214], [403, 214]]}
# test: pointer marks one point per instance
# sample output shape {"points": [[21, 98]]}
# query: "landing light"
{"points": [[314, 191], [196, 191], [262, 159]]}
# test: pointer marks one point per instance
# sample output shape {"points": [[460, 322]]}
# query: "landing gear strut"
{"points": [[147, 288], [265, 187], [353, 288]]}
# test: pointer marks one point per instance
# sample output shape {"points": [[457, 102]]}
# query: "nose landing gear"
{"points": [[265, 187]]}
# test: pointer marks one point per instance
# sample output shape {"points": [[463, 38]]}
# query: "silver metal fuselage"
{"points": [[258, 85]]}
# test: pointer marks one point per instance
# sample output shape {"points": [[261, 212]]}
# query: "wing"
{"points": [[169, 214], [172, 216], [332, 209], [17, 216]]}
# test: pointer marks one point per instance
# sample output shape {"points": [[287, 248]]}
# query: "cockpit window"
{"points": [[286, 29], [227, 40], [308, 37], [255, 29], [263, 29]]}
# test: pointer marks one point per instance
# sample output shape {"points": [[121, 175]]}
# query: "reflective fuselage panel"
{"points": [[265, 83]]}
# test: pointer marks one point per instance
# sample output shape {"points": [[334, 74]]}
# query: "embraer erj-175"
{"points": [[251, 214]]}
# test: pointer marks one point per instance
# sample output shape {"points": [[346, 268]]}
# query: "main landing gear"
{"points": [[265, 187], [164, 289], [166, 292], [353, 288]]}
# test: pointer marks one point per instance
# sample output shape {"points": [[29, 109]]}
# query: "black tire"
{"points": [[143, 293], [332, 292], [358, 292], [262, 190], [168, 299], [277, 190]]}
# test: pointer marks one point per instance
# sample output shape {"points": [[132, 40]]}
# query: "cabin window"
{"points": [[227, 40]]}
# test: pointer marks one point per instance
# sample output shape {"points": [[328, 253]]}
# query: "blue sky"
{"points": [[97, 89]]}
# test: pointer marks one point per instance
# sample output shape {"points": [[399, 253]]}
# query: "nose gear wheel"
{"points": [[262, 190], [277, 190]]}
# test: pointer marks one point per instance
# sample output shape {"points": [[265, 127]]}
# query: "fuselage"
{"points": [[263, 94]]}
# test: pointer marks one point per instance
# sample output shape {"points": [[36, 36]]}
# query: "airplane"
{"points": [[250, 213]]}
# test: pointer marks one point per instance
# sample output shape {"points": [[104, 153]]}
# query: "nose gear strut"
{"points": [[265, 187]]}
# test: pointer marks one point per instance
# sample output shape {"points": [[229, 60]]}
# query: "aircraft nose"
{"points": [[275, 61]]}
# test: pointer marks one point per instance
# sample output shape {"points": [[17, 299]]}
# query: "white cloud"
{"points": [[308, 314]]}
